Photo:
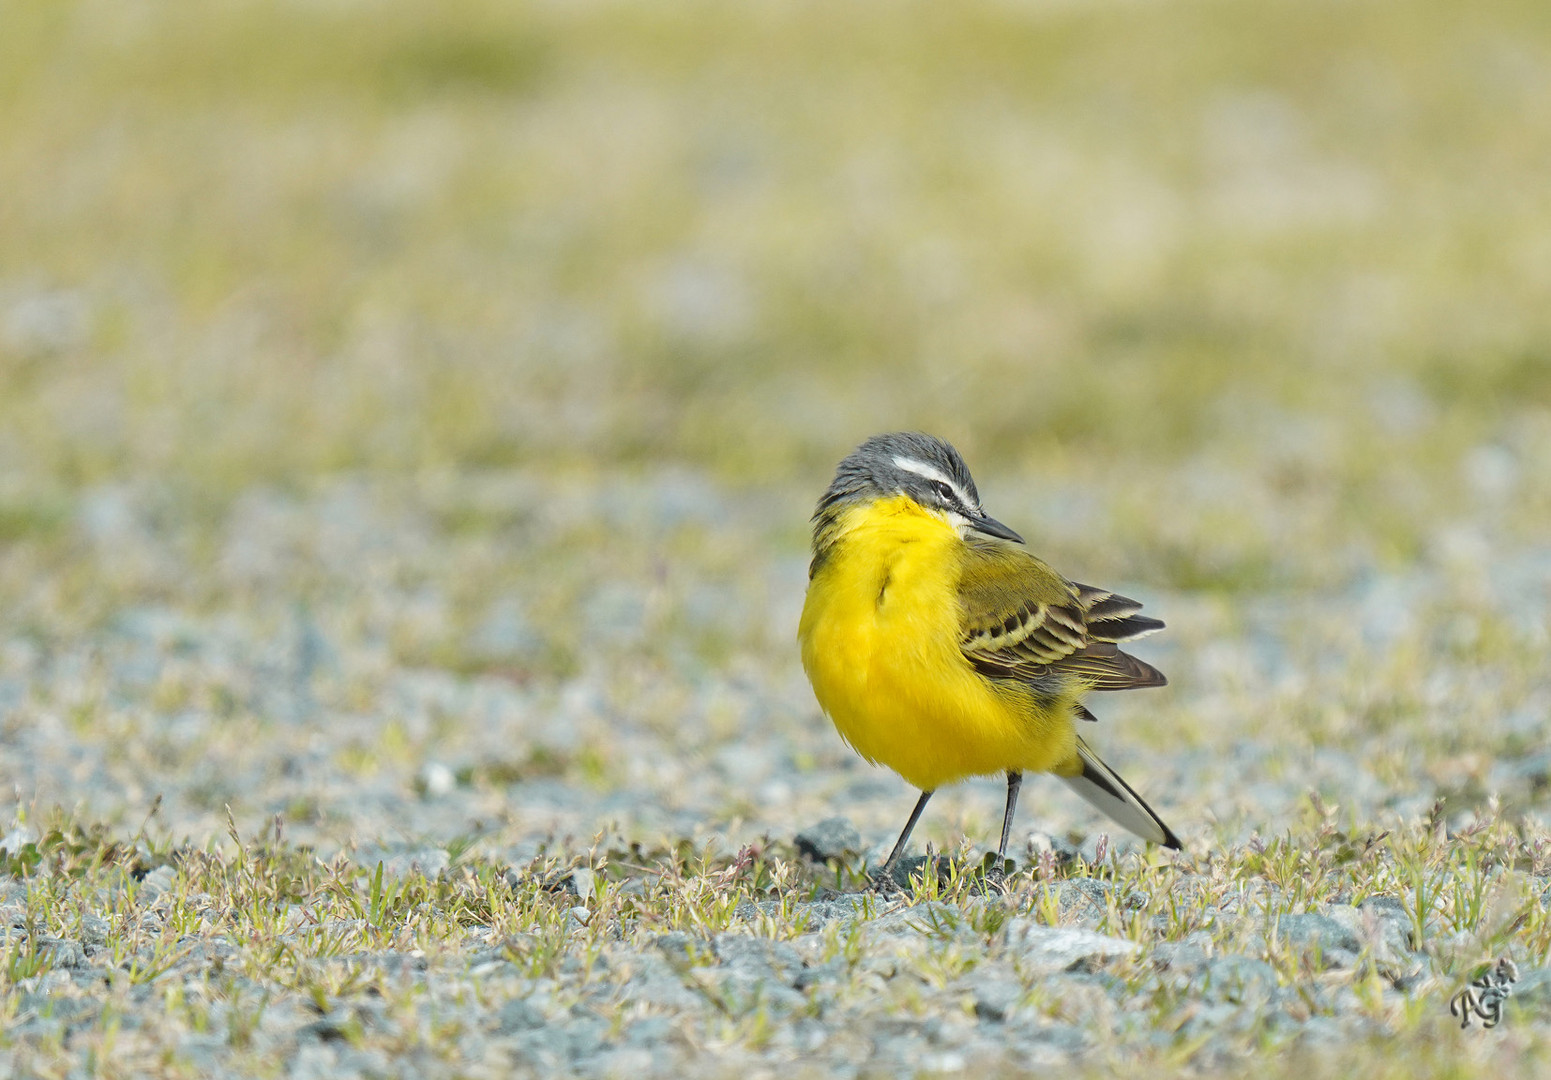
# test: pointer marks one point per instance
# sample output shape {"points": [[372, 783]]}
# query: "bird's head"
{"points": [[920, 467]]}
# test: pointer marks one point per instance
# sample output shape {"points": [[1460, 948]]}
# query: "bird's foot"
{"points": [[883, 884], [995, 874]]}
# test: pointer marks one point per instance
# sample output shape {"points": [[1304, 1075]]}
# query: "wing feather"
{"points": [[1022, 620]]}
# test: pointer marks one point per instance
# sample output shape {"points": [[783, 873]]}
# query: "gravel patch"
{"points": [[410, 828]]}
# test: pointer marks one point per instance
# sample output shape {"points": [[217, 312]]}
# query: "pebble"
{"points": [[437, 780], [519, 1014], [832, 838], [1053, 949], [581, 883], [995, 998], [1319, 936], [1242, 980], [157, 882], [1082, 900]]}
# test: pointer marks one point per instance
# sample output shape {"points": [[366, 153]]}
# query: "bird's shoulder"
{"points": [[1021, 619], [1008, 595]]}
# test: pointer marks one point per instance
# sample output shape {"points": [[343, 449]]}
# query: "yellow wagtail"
{"points": [[942, 648]]}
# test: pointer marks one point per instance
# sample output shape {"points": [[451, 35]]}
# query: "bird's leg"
{"points": [[883, 880], [1014, 782]]}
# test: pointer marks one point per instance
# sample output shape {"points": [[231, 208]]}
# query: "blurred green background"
{"points": [[1268, 283]]}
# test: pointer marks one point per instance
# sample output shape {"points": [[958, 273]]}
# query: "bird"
{"points": [[942, 648]]}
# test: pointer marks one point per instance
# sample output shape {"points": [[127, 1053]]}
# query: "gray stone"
{"points": [[1530, 995], [156, 882], [832, 838], [619, 1062], [1210, 1017], [1383, 930], [398, 963], [1083, 900], [435, 780], [821, 975], [816, 915], [1187, 956], [755, 972], [741, 991], [504, 636], [94, 929], [543, 1050], [584, 1033], [996, 997], [760, 957], [1242, 980], [807, 1034], [1319, 935], [649, 1031], [1106, 983], [581, 883], [683, 949], [203, 1051], [1398, 926], [52, 951], [1388, 906], [907, 870], [1279, 1022], [333, 1028], [749, 910], [1066, 1038], [1049, 948], [1321, 1030], [518, 1014], [581, 963], [51, 1005], [934, 919], [652, 980], [315, 1060], [1533, 986]]}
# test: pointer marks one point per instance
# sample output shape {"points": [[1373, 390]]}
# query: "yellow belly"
{"points": [[880, 644]]}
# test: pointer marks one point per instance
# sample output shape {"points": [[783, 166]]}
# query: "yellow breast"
{"points": [[880, 643]]}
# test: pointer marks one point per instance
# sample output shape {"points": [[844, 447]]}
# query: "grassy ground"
{"points": [[408, 423]]}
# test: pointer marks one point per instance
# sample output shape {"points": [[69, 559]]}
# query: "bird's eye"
{"points": [[945, 491]]}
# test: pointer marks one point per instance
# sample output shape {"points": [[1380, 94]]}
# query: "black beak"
{"points": [[991, 527]]}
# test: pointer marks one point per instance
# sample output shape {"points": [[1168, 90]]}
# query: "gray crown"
{"points": [[924, 467]]}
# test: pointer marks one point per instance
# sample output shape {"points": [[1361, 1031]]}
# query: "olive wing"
{"points": [[1019, 619]]}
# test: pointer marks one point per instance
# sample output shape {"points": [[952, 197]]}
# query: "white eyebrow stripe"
{"points": [[932, 472]]}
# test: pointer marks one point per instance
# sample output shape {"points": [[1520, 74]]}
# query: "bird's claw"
{"points": [[996, 877], [883, 884]]}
